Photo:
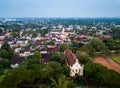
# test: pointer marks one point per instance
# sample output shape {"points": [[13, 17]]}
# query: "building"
{"points": [[73, 63], [16, 61]]}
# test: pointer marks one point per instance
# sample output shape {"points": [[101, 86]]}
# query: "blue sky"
{"points": [[59, 8]]}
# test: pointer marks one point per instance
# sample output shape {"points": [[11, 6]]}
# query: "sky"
{"points": [[59, 8]]}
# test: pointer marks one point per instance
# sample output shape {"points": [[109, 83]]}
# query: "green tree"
{"points": [[71, 83], [110, 43], [98, 46], [6, 54], [4, 64], [61, 82], [83, 57], [37, 54], [65, 70], [52, 43], [99, 75], [55, 56], [17, 76], [53, 70], [6, 47], [63, 59], [63, 47]]}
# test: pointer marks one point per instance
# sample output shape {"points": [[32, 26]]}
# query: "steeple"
{"points": [[63, 30]]}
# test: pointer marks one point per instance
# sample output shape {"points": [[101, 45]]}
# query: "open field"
{"points": [[110, 64], [116, 59]]}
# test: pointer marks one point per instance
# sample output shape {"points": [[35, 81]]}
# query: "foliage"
{"points": [[83, 57], [63, 47], [115, 33], [61, 82], [6, 54], [65, 70], [100, 76], [75, 45], [43, 32], [55, 56], [97, 46], [6, 47], [52, 43], [71, 83], [4, 64], [16, 76], [53, 70], [112, 44], [6, 51], [37, 54]]}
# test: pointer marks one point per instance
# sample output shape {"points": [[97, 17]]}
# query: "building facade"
{"points": [[75, 67]]}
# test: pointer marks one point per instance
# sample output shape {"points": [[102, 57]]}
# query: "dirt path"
{"points": [[110, 64]]}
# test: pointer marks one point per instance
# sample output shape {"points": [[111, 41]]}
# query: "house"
{"points": [[16, 61], [75, 67], [1, 43], [22, 42], [105, 37], [25, 53], [43, 50], [51, 48], [17, 50], [10, 41], [2, 36]]}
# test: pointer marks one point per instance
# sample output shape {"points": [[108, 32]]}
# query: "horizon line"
{"points": [[60, 17]]}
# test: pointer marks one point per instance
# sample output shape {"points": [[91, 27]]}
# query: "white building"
{"points": [[75, 67]]}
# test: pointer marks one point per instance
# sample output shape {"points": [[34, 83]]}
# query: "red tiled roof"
{"points": [[106, 36], [71, 58]]}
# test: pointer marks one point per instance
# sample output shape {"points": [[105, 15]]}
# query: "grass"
{"points": [[116, 59]]}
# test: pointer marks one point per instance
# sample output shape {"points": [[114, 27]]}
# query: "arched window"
{"points": [[76, 70]]}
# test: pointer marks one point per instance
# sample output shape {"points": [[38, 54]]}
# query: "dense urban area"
{"points": [[59, 52]]}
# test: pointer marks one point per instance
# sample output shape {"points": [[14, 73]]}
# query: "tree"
{"points": [[98, 46], [30, 62], [4, 64], [53, 70], [3, 76], [6, 51], [37, 54], [66, 70], [6, 47], [75, 45], [52, 43], [99, 75], [6, 54], [17, 76], [84, 48], [61, 82], [83, 57], [63, 47], [55, 56], [71, 83], [110, 43], [63, 59]]}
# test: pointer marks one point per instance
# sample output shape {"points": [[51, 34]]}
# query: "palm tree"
{"points": [[61, 82]]}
